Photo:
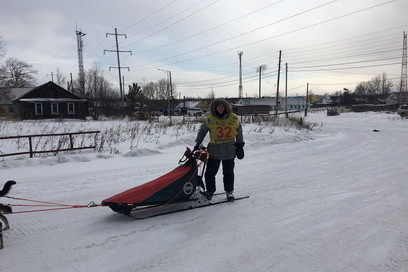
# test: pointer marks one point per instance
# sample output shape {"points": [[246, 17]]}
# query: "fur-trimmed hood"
{"points": [[227, 105]]}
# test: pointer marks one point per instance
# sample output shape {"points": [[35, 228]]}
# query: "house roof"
{"points": [[48, 92], [398, 94], [192, 104], [49, 99]]}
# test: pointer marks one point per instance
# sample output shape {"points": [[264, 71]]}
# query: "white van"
{"points": [[403, 110], [195, 112]]}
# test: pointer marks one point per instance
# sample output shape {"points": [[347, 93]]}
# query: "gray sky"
{"points": [[329, 44]]}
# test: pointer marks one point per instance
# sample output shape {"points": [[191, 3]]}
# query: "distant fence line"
{"points": [[30, 142]]}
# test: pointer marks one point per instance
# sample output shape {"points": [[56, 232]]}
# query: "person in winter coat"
{"points": [[226, 143]]}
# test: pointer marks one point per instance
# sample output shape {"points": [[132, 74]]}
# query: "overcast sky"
{"points": [[330, 44]]}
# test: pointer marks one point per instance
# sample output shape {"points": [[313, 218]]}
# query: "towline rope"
{"points": [[58, 206]]}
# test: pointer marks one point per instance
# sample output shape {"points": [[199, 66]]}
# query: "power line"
{"points": [[239, 35], [182, 19], [210, 29], [262, 40], [150, 15]]}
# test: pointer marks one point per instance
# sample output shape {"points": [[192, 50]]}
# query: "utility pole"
{"points": [[259, 83], [260, 69], [169, 92], [52, 76], [80, 44], [307, 98], [286, 91], [404, 69], [70, 87], [277, 85], [240, 74], [123, 86], [118, 67], [171, 98]]}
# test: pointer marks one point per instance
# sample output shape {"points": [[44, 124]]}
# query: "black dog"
{"points": [[4, 209], [7, 187]]}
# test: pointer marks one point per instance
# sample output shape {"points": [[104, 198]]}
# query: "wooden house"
{"points": [[201, 104], [50, 101], [397, 98]]}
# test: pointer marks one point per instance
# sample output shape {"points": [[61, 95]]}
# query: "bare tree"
{"points": [[102, 97], [362, 88], [61, 79], [376, 86], [380, 85], [94, 81], [211, 94], [162, 89], [15, 73], [386, 84], [5, 94], [150, 90]]}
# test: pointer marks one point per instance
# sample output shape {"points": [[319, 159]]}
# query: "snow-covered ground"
{"points": [[331, 199]]}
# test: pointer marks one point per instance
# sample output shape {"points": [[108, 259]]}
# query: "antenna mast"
{"points": [[80, 44], [240, 74]]}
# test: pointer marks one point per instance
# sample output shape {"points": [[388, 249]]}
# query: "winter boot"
{"points": [[208, 195], [230, 196]]}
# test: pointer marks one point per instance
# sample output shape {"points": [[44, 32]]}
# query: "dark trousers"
{"points": [[227, 170]]}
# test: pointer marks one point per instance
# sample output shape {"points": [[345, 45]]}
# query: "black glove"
{"points": [[239, 150], [196, 147]]}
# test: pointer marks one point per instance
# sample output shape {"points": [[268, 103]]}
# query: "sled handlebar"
{"points": [[199, 155]]}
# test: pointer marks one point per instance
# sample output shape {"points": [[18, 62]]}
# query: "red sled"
{"points": [[180, 185]]}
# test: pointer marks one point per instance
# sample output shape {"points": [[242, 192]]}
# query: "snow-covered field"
{"points": [[334, 198]]}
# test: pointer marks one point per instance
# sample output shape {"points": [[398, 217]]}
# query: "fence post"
{"points": [[31, 146], [71, 141]]}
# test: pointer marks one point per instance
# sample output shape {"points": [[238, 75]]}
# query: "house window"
{"points": [[54, 108], [38, 109], [71, 108]]}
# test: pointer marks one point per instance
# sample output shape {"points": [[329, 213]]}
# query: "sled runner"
{"points": [[192, 203], [180, 188]]}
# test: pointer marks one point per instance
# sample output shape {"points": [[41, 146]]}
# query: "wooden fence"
{"points": [[30, 142]]}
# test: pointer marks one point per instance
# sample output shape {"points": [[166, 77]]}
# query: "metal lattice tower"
{"points": [[80, 44], [240, 74], [404, 65]]}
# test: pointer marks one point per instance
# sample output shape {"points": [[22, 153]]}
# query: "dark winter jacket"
{"points": [[225, 131]]}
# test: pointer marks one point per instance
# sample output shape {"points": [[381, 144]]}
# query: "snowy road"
{"points": [[334, 199]]}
